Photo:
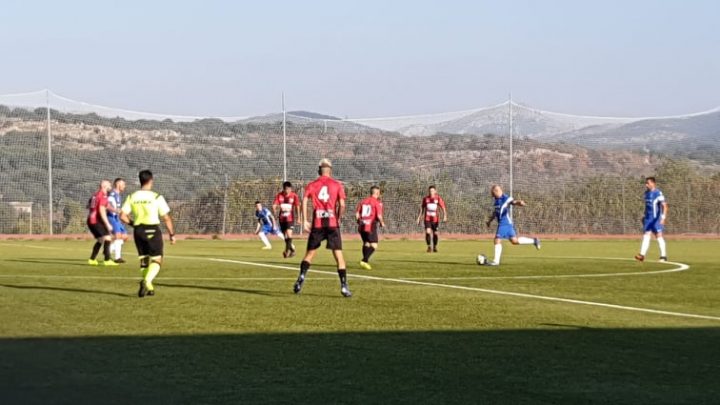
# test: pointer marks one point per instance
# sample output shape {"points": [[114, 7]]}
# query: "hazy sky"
{"points": [[366, 58]]}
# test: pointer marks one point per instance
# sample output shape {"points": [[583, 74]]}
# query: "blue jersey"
{"points": [[653, 204], [502, 210], [264, 216], [115, 201]]}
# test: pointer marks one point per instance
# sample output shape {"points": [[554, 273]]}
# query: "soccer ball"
{"points": [[481, 259]]}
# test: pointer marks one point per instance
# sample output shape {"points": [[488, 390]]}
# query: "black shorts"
{"points": [[318, 235], [98, 230], [369, 237], [285, 226], [432, 225], [148, 240]]}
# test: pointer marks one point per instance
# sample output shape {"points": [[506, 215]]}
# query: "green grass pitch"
{"points": [[575, 323]]}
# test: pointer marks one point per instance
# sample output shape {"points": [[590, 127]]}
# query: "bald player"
{"points": [[99, 224]]}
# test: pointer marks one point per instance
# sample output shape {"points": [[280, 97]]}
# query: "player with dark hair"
{"points": [[429, 208], [656, 211], [328, 200], [119, 231], [369, 213], [99, 225], [143, 210], [286, 207]]}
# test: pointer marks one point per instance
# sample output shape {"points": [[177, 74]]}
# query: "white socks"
{"points": [[646, 244], [661, 244], [116, 247], [524, 240], [280, 235], [264, 239], [498, 253]]}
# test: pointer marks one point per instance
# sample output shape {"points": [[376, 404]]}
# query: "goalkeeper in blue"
{"points": [[656, 210], [506, 229], [266, 225]]}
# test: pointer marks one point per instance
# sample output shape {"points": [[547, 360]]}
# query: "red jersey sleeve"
{"points": [[441, 202], [379, 209], [297, 200], [276, 201]]}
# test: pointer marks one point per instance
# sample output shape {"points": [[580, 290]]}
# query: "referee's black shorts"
{"points": [[148, 240], [318, 235]]}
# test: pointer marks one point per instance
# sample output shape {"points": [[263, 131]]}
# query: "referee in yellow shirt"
{"points": [[143, 210]]}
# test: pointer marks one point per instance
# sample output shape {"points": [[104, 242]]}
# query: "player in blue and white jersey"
{"points": [[506, 230], [656, 210], [119, 232], [266, 225]]}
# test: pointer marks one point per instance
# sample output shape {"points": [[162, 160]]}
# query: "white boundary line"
{"points": [[495, 292]]}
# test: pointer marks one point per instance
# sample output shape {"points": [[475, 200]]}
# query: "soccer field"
{"points": [[577, 322]]}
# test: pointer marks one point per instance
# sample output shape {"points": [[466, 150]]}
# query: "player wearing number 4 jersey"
{"points": [[328, 200], [369, 214], [287, 208], [430, 209]]}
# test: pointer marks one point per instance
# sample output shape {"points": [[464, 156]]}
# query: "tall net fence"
{"points": [[579, 175]]}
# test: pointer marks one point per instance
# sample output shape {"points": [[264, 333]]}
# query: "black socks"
{"points": [[106, 250], [95, 250], [342, 273], [367, 252]]}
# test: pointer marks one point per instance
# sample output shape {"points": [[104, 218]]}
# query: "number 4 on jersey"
{"points": [[323, 194]]}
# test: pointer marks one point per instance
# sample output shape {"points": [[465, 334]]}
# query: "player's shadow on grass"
{"points": [[226, 289], [53, 261], [559, 366], [65, 289]]}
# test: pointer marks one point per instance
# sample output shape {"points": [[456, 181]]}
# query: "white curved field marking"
{"points": [[70, 277], [490, 291], [678, 268]]}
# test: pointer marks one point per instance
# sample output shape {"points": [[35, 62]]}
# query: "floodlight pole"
{"points": [[510, 120], [49, 150], [284, 132]]}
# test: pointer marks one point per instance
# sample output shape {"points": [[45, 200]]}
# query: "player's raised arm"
{"points": [[520, 203]]}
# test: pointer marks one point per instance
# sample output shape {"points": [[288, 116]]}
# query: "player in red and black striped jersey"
{"points": [[99, 225], [369, 213], [328, 203], [429, 210], [287, 208]]}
